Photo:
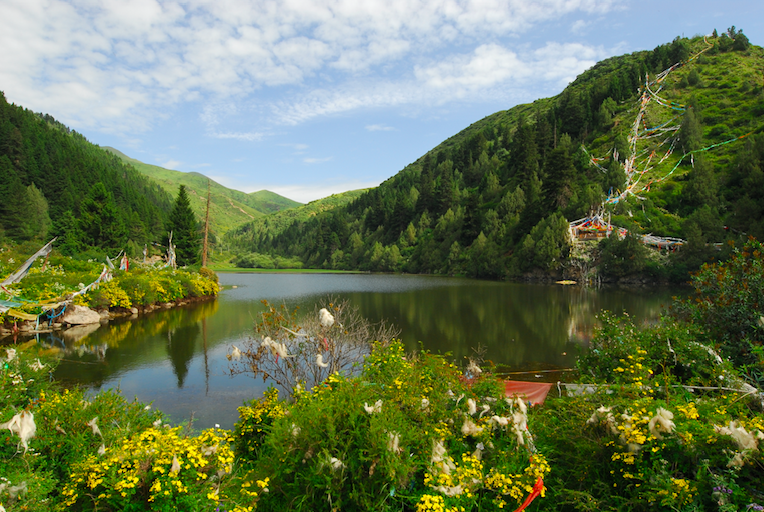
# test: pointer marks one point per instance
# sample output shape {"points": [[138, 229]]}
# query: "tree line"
{"points": [[494, 200]]}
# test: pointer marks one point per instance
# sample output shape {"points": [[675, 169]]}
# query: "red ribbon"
{"points": [[536, 492]]}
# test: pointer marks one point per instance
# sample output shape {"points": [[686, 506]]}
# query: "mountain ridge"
{"points": [[228, 207], [494, 199]]}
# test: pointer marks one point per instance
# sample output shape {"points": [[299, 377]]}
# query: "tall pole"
{"points": [[206, 226]]}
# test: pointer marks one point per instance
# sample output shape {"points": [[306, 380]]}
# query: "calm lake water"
{"points": [[177, 358]]}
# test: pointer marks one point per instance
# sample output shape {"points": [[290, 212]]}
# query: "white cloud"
{"points": [[379, 128], [245, 136], [317, 160], [120, 65], [305, 193], [171, 164]]}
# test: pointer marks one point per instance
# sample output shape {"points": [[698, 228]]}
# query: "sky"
{"points": [[308, 98]]}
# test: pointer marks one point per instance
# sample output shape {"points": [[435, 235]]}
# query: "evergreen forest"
{"points": [[496, 199], [53, 182]]}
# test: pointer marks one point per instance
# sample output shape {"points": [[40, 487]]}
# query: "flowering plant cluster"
{"points": [[671, 424], [407, 432], [159, 468]]}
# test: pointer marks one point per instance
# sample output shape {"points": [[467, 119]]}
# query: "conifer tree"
{"points": [[182, 223]]}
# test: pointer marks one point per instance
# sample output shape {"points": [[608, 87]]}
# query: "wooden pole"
{"points": [[206, 227]]}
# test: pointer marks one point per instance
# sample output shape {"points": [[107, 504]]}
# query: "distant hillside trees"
{"points": [[53, 182]]}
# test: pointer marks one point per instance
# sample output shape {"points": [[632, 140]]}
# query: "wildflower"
{"points": [[371, 409], [37, 365], [147, 408], [473, 368], [661, 422], [393, 439], [320, 361], [23, 425], [326, 318], [470, 429], [471, 406], [425, 404], [92, 424], [295, 430]]}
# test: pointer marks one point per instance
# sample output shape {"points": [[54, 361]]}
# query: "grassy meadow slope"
{"points": [[228, 208]]}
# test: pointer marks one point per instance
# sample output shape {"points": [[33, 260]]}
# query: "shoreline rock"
{"points": [[84, 316]]}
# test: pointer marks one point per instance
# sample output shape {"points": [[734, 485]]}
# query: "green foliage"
{"points": [[183, 226], [139, 287], [99, 222], [510, 171], [47, 170], [403, 433], [642, 441], [625, 257], [102, 452], [728, 304]]}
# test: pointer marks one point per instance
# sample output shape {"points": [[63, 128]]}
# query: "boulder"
{"points": [[80, 315]]}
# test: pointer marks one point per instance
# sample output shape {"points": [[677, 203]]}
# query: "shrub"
{"points": [[728, 302], [407, 433]]}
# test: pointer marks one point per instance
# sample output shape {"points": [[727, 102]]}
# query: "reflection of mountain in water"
{"points": [[180, 347]]}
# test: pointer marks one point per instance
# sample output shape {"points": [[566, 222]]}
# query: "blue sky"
{"points": [[311, 97]]}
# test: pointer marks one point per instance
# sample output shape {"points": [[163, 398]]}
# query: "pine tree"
{"points": [[182, 223]]}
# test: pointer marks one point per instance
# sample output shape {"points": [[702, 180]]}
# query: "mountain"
{"points": [[667, 141], [53, 182], [228, 208], [254, 232]]}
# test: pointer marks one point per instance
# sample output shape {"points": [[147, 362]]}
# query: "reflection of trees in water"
{"points": [[181, 345], [131, 342], [516, 323]]}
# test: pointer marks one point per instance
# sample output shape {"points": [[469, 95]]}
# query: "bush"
{"points": [[728, 304], [406, 434], [625, 257]]}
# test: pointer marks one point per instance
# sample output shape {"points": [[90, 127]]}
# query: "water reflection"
{"points": [[176, 357]]}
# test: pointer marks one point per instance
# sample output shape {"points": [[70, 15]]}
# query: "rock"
{"points": [[104, 313], [134, 311], [80, 315]]}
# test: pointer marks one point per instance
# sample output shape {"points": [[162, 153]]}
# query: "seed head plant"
{"points": [[299, 353]]}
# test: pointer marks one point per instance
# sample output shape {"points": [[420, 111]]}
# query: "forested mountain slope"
{"points": [[53, 182], [228, 208], [667, 141]]}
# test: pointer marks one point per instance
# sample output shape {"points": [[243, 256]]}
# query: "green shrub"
{"points": [[407, 433]]}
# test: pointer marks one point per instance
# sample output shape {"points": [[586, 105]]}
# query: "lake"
{"points": [[176, 358]]}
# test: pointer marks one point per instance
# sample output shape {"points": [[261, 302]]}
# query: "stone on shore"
{"points": [[80, 315]]}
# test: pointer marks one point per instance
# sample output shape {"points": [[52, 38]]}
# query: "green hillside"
{"points": [[266, 228], [667, 142], [228, 208], [53, 182]]}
